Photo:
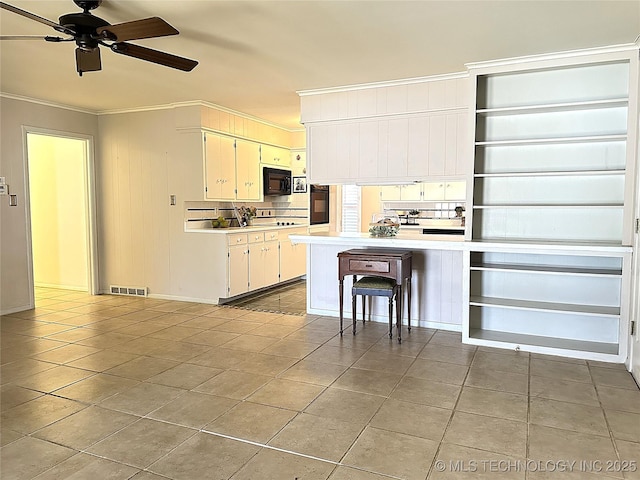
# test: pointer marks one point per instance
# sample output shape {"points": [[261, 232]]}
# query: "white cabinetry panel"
{"points": [[380, 134]]}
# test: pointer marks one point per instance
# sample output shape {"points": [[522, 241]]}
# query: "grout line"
{"points": [[263, 445]]}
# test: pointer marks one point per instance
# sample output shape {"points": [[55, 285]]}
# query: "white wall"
{"points": [[57, 177], [145, 157], [141, 159], [15, 293]]}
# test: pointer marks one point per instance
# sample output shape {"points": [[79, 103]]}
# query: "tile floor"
{"points": [[285, 299], [111, 387]]}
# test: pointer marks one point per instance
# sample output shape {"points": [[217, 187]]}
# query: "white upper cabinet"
{"points": [[248, 171], [444, 191], [220, 167], [275, 156], [384, 133]]}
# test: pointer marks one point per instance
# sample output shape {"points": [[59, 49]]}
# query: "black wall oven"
{"points": [[277, 181], [319, 204]]}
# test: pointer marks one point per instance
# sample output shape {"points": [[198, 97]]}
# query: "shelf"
{"points": [[551, 173], [568, 308], [546, 141], [554, 107], [553, 247], [547, 205], [548, 342], [551, 270]]}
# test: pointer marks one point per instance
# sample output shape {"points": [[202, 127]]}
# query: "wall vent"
{"points": [[131, 291]]}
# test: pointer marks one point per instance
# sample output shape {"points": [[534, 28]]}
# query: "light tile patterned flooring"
{"points": [[286, 299], [117, 387]]}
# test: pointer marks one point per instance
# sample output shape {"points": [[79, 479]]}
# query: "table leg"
{"points": [[399, 313], [409, 300], [341, 302], [353, 311]]}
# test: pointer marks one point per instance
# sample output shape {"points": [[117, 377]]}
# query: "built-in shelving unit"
{"points": [[552, 169]]}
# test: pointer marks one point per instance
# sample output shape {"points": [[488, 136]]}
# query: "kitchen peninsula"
{"points": [[436, 281], [452, 277]]}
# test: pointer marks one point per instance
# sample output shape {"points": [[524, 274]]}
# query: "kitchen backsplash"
{"points": [[295, 211], [428, 210]]}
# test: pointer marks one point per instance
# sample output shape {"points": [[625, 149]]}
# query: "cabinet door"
{"points": [[293, 260], [256, 266], [418, 149], [248, 170], [238, 270], [276, 156], [390, 193], [455, 191], [437, 145], [411, 192], [397, 149], [271, 259], [220, 167], [433, 191]]}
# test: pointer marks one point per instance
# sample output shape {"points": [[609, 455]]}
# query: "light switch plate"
{"points": [[3, 180], [4, 189]]}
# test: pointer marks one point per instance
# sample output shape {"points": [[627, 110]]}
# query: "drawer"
{"points": [[237, 239], [270, 235], [256, 237], [368, 266]]}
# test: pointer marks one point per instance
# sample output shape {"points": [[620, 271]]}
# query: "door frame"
{"points": [[90, 199], [634, 340]]}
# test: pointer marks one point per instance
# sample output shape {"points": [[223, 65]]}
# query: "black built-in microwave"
{"points": [[277, 181]]}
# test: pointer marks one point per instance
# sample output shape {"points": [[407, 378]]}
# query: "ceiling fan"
{"points": [[89, 32]]}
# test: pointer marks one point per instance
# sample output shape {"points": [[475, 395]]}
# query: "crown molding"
{"points": [[388, 83], [554, 56], [46, 103], [196, 103], [150, 108]]}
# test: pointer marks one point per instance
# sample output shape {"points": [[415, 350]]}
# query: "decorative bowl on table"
{"points": [[384, 225]]}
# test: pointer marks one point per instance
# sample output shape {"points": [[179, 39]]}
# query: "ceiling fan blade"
{"points": [[145, 28], [37, 18], [36, 37], [88, 60], [154, 56]]}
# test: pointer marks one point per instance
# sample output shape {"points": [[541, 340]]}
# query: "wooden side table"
{"points": [[380, 262]]}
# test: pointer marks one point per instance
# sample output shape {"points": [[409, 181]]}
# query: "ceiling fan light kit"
{"points": [[89, 32]]}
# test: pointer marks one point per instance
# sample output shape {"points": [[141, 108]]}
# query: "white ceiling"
{"points": [[255, 55]]}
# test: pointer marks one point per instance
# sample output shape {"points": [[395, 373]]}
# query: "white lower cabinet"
{"points": [[293, 256], [252, 259], [237, 264], [238, 270], [263, 261]]}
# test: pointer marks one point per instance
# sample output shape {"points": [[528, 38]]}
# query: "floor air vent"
{"points": [[132, 291]]}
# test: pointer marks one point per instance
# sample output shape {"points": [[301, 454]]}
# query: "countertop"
{"points": [[416, 241], [250, 228], [458, 243]]}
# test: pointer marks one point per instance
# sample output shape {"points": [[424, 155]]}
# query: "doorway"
{"points": [[60, 211]]}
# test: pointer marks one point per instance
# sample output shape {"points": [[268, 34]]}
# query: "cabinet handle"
{"points": [[238, 240]]}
